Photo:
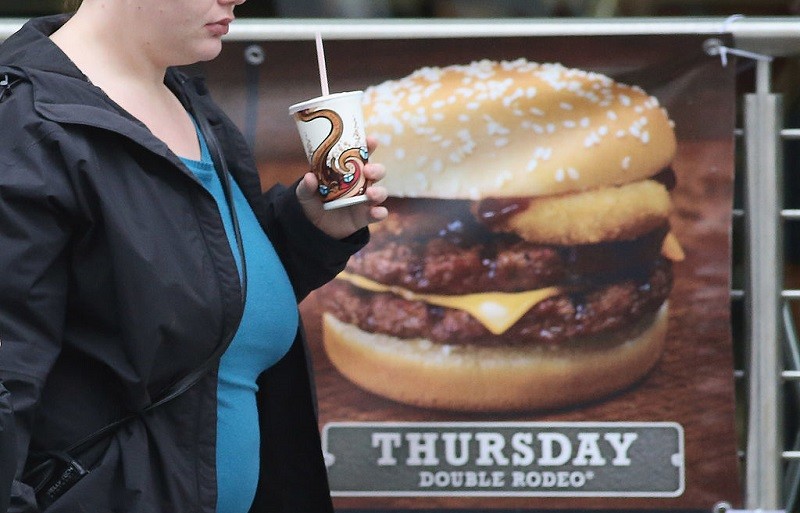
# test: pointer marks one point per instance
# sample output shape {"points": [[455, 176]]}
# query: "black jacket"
{"points": [[7, 447], [118, 278]]}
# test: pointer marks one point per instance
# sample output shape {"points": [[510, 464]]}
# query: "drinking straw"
{"points": [[323, 74]]}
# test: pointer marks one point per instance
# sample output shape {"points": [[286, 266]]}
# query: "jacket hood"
{"points": [[62, 93], [31, 49]]}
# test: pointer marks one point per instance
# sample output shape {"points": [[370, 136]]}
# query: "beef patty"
{"points": [[589, 312], [444, 250]]}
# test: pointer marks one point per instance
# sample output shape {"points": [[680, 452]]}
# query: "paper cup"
{"points": [[332, 131]]}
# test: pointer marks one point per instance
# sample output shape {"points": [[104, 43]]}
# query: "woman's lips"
{"points": [[219, 28]]}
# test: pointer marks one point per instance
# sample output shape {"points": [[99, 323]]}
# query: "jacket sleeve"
{"points": [[311, 257], [33, 257]]}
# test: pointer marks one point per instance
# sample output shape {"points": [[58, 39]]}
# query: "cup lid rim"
{"points": [[309, 103]]}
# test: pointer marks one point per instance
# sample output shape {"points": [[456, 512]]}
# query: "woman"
{"points": [[132, 227]]}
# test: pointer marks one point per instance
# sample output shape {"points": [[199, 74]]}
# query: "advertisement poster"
{"points": [[591, 253]]}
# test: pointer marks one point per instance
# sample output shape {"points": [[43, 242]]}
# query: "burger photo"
{"points": [[527, 260]]}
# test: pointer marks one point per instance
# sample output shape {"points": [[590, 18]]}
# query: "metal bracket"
{"points": [[725, 507]]}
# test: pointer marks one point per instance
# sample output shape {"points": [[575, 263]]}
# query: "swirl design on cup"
{"points": [[345, 177]]}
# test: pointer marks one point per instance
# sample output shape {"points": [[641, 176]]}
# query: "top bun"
{"points": [[506, 129]]}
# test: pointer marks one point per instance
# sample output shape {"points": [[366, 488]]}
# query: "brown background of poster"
{"points": [[693, 383]]}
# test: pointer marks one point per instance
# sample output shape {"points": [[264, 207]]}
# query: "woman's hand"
{"points": [[342, 222]]}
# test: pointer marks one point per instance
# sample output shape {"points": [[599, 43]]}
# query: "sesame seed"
{"points": [[591, 140], [503, 177], [559, 175], [573, 173], [494, 128], [592, 97], [566, 106], [626, 163], [508, 100], [542, 153]]}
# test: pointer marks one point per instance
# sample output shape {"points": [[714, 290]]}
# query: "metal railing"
{"points": [[763, 293]]}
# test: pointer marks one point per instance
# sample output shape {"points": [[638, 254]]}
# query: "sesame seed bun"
{"points": [[506, 129], [525, 265], [470, 378]]}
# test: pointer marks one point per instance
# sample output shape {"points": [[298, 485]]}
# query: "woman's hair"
{"points": [[71, 5]]}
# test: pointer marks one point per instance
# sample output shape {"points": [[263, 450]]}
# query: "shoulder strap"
{"points": [[167, 395]]}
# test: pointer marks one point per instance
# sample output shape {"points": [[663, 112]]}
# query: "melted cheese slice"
{"points": [[672, 249], [497, 311]]}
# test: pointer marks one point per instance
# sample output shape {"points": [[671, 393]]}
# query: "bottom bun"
{"points": [[470, 378]]}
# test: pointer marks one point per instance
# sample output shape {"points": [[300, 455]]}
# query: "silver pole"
{"points": [[776, 36], [763, 297], [763, 69]]}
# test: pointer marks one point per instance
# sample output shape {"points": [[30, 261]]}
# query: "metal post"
{"points": [[765, 261]]}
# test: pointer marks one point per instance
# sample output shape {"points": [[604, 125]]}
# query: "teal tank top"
{"points": [[268, 328]]}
